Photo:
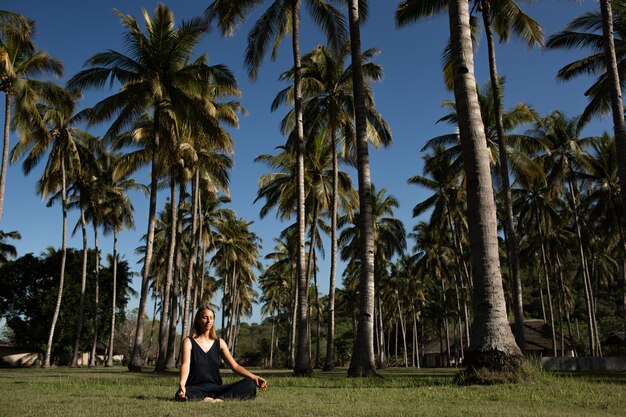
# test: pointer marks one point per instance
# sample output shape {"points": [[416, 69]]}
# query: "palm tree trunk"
{"points": [[585, 273], [173, 359], [191, 262], [83, 285], [5, 148], [549, 293], [509, 221], [403, 328], [492, 343], [57, 307], [303, 362], [363, 361], [563, 296], [165, 308], [291, 357], [136, 360], [113, 300], [378, 318], [273, 320], [154, 309], [309, 266], [617, 108], [92, 357], [170, 356], [461, 268], [330, 337]]}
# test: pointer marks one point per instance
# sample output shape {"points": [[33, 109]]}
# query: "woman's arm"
{"points": [[238, 369], [184, 366]]}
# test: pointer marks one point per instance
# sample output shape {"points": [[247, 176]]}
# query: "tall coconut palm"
{"points": [[157, 75], [506, 17], [363, 361], [389, 238], [20, 64], [117, 216], [617, 110], [329, 108], [65, 144], [492, 343], [281, 18]]}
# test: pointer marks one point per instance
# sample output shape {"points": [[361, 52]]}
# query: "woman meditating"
{"points": [[200, 369]]}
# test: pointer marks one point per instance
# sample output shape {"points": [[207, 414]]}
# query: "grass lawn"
{"points": [[111, 392]]}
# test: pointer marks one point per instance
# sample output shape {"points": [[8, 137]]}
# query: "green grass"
{"points": [[115, 392]]}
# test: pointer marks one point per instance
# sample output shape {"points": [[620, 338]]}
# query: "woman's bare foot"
{"points": [[212, 400]]}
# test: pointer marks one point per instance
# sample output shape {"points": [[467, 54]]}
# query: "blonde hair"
{"points": [[197, 326]]}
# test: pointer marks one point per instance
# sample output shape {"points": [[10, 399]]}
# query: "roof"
{"points": [[538, 336]]}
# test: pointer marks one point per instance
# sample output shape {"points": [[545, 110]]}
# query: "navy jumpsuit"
{"points": [[204, 376]]}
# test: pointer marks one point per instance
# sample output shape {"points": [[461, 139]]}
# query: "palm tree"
{"points": [[390, 239], [329, 109], [6, 250], [587, 32], [566, 156], [492, 343], [19, 63], [156, 76], [117, 215], [281, 18], [447, 204], [605, 196], [66, 146], [617, 109], [607, 56], [505, 17], [82, 195], [235, 259], [363, 361]]}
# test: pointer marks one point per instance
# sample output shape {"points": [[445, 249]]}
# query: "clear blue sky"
{"points": [[409, 98]]}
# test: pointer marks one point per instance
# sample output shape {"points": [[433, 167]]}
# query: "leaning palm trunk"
{"points": [[492, 343], [136, 360], [92, 357], [165, 309], [585, 273], [113, 300], [509, 221], [303, 362], [83, 284], [617, 110], [330, 336], [57, 308], [363, 360], [5, 148]]}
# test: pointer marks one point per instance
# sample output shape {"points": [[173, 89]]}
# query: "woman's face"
{"points": [[206, 320]]}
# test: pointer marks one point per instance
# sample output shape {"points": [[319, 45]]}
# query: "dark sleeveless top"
{"points": [[204, 367]]}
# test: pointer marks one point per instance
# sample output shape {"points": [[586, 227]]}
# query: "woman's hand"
{"points": [[181, 394], [260, 382]]}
